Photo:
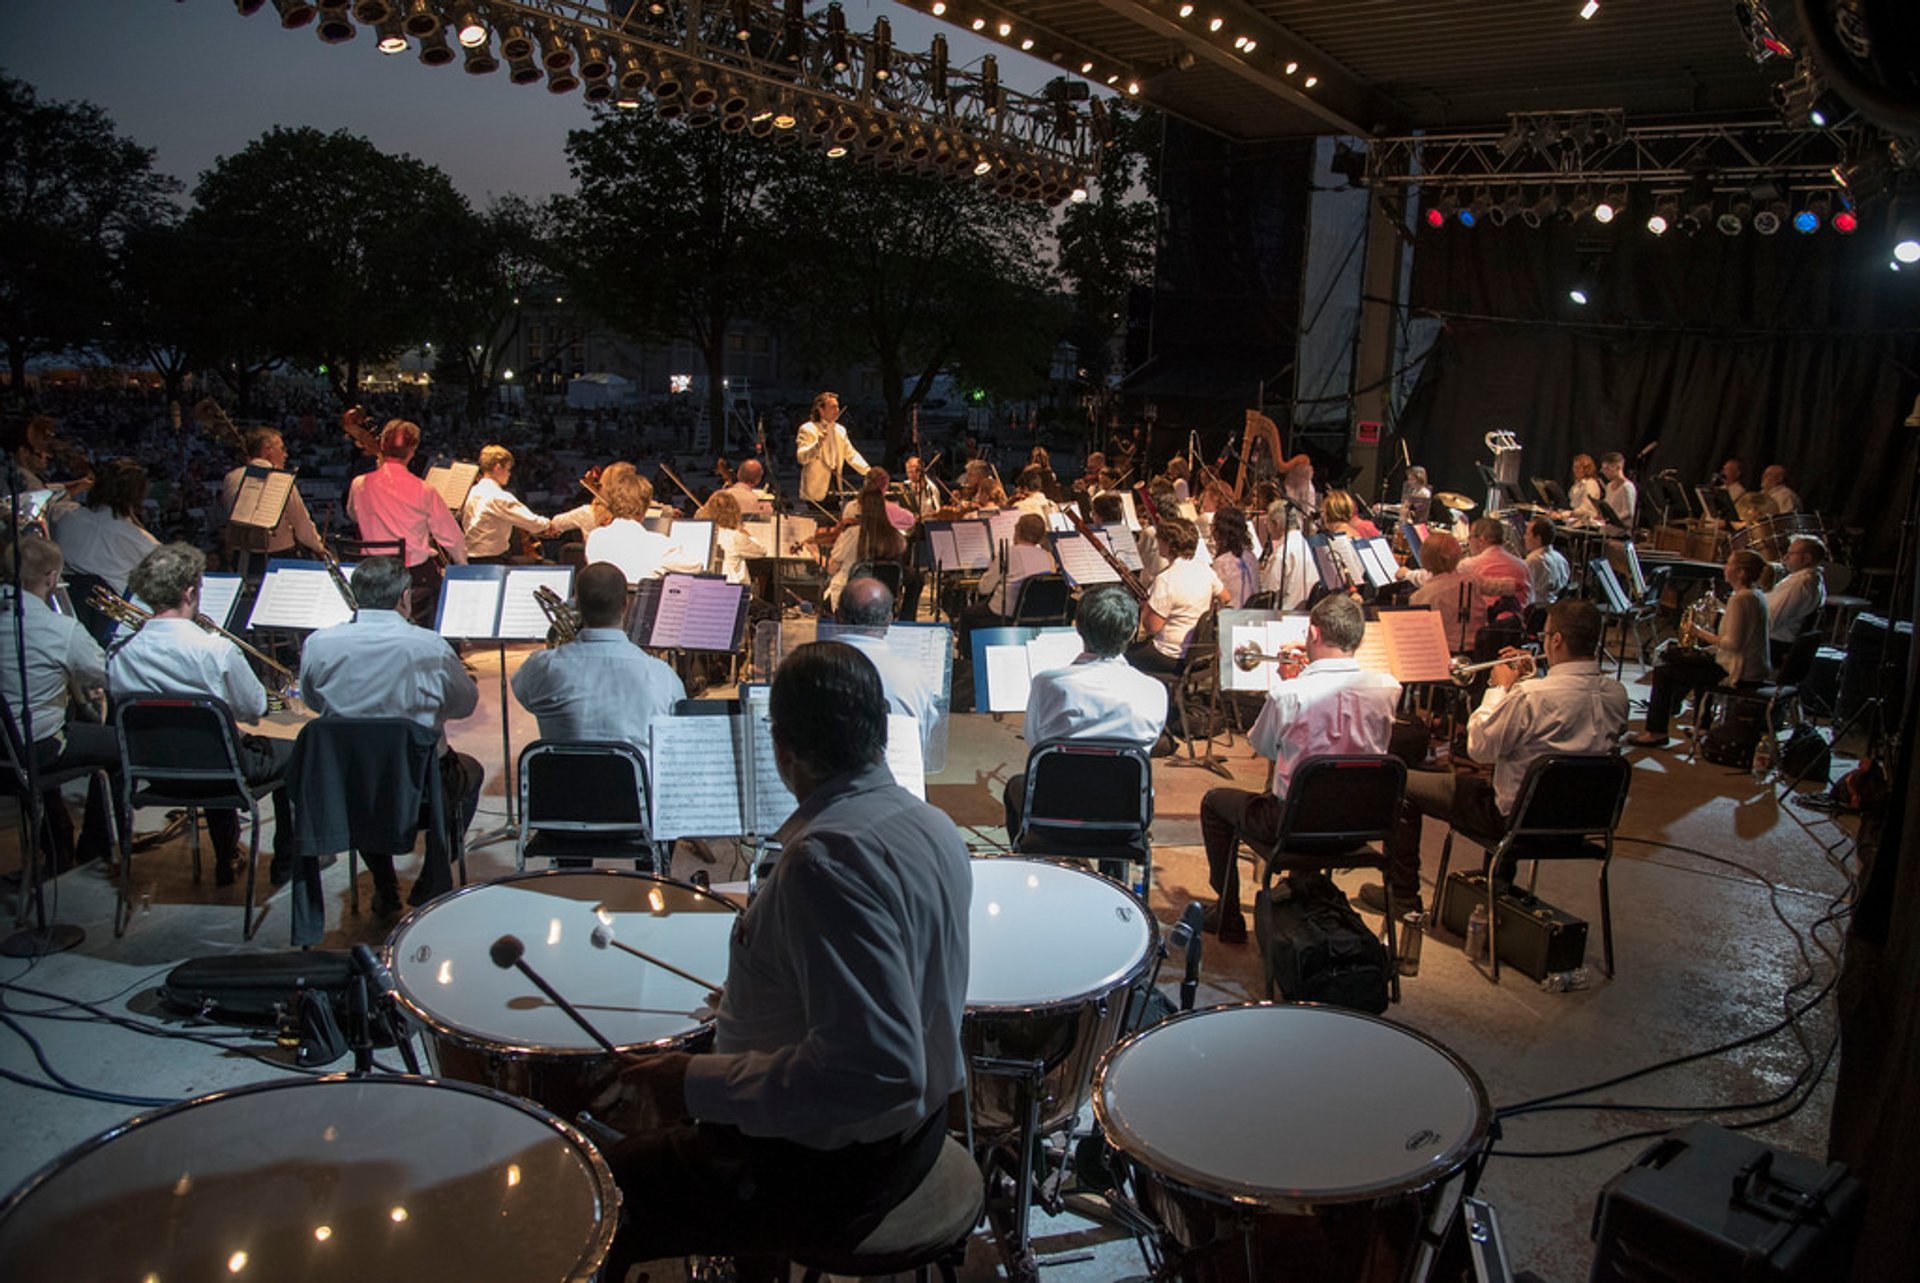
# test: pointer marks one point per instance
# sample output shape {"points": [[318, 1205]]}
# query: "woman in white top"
{"points": [[1233, 562], [1182, 593], [105, 540], [732, 545], [1735, 654]]}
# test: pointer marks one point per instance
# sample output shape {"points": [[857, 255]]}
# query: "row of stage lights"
{"points": [[1729, 213], [684, 89]]}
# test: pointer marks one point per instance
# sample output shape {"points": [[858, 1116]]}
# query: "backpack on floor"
{"points": [[1317, 949]]}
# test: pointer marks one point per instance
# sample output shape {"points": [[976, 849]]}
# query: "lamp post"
{"points": [[506, 391]]}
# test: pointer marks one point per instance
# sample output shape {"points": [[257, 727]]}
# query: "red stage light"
{"points": [[1846, 222], [1435, 218]]}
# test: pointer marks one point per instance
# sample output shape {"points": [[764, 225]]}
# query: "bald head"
{"points": [[750, 473], [865, 603]]}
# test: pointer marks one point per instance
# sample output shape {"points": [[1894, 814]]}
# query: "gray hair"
{"points": [[1107, 619]]}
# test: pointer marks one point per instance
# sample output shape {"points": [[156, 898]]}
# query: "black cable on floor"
{"points": [[65, 1084]]}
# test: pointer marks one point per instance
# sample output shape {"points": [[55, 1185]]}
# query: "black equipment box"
{"points": [[1536, 939], [1710, 1204]]}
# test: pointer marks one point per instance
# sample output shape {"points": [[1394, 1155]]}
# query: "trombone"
{"points": [[120, 610], [1462, 672]]}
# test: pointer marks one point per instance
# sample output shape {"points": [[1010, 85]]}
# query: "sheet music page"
{"points": [[1344, 552], [452, 482], [1000, 526], [1126, 503], [1374, 654], [218, 592], [1052, 648], [945, 555], [772, 801], [903, 754], [1058, 520], [297, 594], [972, 547], [1080, 563], [1377, 574], [696, 784], [1008, 679], [695, 539], [1120, 540], [1416, 645], [469, 605], [521, 618], [262, 498], [929, 648], [696, 612], [1323, 563]]}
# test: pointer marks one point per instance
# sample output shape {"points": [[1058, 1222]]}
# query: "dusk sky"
{"points": [[195, 80]]}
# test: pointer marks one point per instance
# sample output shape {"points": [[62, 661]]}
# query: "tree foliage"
{"points": [[70, 189], [1107, 242], [495, 257]]}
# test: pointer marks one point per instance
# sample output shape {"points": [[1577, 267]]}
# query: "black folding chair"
{"points": [[1092, 800], [1337, 814], [33, 795], [1568, 807], [585, 800], [1042, 600], [183, 752]]}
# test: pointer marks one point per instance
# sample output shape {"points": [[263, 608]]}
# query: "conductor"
{"points": [[824, 451]]}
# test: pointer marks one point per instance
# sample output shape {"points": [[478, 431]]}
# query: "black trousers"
{"points": [[423, 596], [1224, 814], [1464, 801], [1674, 678], [708, 1189], [460, 778], [86, 745], [1146, 657], [264, 761]]}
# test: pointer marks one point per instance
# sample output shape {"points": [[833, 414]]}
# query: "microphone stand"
{"points": [[776, 585]]}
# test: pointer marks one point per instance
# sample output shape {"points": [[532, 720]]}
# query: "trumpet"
{"points": [[121, 611], [1248, 657], [563, 620], [1462, 671]]}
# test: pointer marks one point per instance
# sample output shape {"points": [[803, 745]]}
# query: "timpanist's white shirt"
{"points": [[95, 542], [1096, 697], [1334, 706], [62, 657], [391, 503], [378, 664], [178, 657], [1573, 709], [492, 514], [599, 686], [1794, 602]]}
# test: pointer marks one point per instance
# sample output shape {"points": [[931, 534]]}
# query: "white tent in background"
{"points": [[599, 391]]}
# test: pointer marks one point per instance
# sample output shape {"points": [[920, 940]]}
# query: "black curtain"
{"points": [[1790, 349]]}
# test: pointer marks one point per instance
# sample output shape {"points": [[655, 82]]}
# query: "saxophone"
{"points": [[1703, 614]]}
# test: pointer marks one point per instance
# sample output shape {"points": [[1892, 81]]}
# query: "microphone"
{"points": [[603, 937], [1189, 935], [368, 964], [509, 954]]}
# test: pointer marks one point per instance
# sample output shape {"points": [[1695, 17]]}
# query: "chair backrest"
{"points": [[1203, 643], [14, 747], [1266, 600], [1799, 658], [178, 740], [1086, 794], [585, 786], [889, 573], [1571, 795], [1042, 599], [1341, 800], [360, 549]]}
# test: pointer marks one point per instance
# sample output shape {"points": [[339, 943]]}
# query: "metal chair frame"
{"points": [[636, 829], [1140, 787]]}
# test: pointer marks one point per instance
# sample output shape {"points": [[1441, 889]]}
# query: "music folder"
{"points": [[1409, 644], [688, 612], [262, 498], [497, 603], [452, 481], [1266, 630], [299, 595], [959, 546], [1006, 660]]}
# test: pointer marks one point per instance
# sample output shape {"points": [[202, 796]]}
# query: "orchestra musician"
{"points": [[1416, 496], [1736, 653], [492, 513], [1233, 560], [880, 482], [1287, 568], [837, 1032], [640, 553], [979, 488], [378, 664], [732, 545], [63, 661], [1622, 497], [266, 448], [867, 604], [1445, 589], [1181, 594], [171, 656], [390, 504], [1548, 573], [1031, 489], [102, 540], [1773, 484], [1574, 708], [1729, 479], [1584, 492], [921, 495], [34, 445], [871, 538], [745, 488], [1098, 696], [823, 449], [1094, 481], [1337, 517], [1794, 603], [1332, 707], [1494, 570], [999, 587]]}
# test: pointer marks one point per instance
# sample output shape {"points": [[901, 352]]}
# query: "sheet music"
{"points": [[697, 612], [929, 648], [1121, 541], [904, 757], [469, 607], [1410, 644], [298, 594], [695, 538], [1054, 648], [1009, 680], [972, 547], [1126, 504], [1080, 563], [218, 592], [262, 498], [1346, 554], [698, 793], [521, 618], [1380, 568], [452, 482], [1000, 526], [945, 555]]}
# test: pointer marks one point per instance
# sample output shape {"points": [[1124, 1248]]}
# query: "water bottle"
{"points": [[1562, 981], [1409, 942], [1477, 933], [1762, 758]]}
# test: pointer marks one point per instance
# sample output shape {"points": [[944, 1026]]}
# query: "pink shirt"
{"points": [[391, 503], [1498, 573]]}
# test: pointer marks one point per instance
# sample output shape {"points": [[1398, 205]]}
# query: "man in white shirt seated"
{"points": [[1100, 696], [837, 1034], [1000, 583], [1182, 593], [1495, 572], [1730, 479], [1773, 484], [746, 489], [1547, 571], [640, 553], [1333, 706], [921, 495], [868, 604], [492, 513], [172, 656], [1794, 603], [1573, 709], [377, 664], [267, 449], [1622, 498]]}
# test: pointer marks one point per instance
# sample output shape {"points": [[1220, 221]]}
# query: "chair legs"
{"points": [[247, 923], [1606, 909]]}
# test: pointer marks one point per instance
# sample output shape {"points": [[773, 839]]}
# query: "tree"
{"points": [[70, 188], [1107, 242], [926, 277], [668, 235], [159, 309], [497, 255], [331, 252]]}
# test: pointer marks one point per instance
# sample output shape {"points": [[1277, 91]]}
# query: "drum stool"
{"points": [[928, 1230]]}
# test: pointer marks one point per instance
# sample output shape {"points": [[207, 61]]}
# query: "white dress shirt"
{"points": [[922, 498], [582, 518], [599, 686], [1573, 709], [296, 525], [1457, 600], [378, 664], [178, 657], [62, 658], [391, 503], [847, 978], [1289, 569], [1024, 560], [1784, 499], [1036, 503], [1096, 698], [1333, 707], [1240, 574], [1794, 602], [1585, 494], [491, 515], [95, 542], [1182, 593], [734, 547], [823, 450], [1548, 574], [906, 688], [639, 552], [1623, 500]]}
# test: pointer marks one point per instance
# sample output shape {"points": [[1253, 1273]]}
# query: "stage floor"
{"points": [[1707, 952]]}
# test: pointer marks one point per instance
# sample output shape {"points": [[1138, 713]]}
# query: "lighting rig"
{"points": [[769, 68]]}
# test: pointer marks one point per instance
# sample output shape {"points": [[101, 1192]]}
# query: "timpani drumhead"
{"points": [[1043, 933], [445, 976], [1274, 1103], [300, 1180]]}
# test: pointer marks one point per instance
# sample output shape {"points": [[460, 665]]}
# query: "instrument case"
{"points": [[254, 988], [1536, 939], [1711, 1204]]}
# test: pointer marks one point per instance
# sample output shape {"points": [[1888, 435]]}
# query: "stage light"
{"points": [[1435, 218], [594, 62], [1476, 209], [334, 26], [1467, 217], [516, 43], [880, 56], [1005, 29], [1078, 195], [666, 82], [1578, 204], [1292, 67], [1846, 222], [1770, 218], [370, 13], [561, 80], [1511, 206], [1806, 222], [939, 8], [248, 8], [836, 151], [1252, 44], [598, 90], [1214, 24], [293, 13], [793, 36], [1603, 212], [1907, 251], [1186, 11], [1588, 9], [743, 20], [633, 76], [937, 69], [990, 84], [982, 167], [837, 38], [522, 71], [1086, 68], [422, 19], [393, 38], [783, 117], [702, 94], [979, 24], [435, 51], [470, 31], [1579, 295], [1311, 81], [478, 60], [1026, 46]]}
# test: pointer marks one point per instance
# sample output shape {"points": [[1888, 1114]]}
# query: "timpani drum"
{"points": [[1292, 1142], [1057, 955], [485, 1025], [309, 1179], [1770, 535]]}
